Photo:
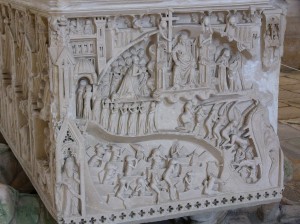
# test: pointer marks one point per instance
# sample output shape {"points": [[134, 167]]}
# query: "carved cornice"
{"points": [[102, 6]]}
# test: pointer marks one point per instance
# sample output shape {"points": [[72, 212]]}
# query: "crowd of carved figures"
{"points": [[224, 66], [128, 76], [129, 173], [225, 126], [130, 118], [179, 62]]}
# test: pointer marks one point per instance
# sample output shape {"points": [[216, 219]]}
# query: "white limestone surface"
{"points": [[145, 110]]}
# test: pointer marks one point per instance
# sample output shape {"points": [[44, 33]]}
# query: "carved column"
{"points": [[143, 111]]}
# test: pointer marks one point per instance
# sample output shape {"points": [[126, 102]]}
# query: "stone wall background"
{"points": [[291, 55]]}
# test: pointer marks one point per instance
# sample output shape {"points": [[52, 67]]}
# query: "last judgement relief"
{"points": [[134, 114]]}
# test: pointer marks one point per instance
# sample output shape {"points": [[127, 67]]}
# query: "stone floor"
{"points": [[289, 134], [289, 121]]}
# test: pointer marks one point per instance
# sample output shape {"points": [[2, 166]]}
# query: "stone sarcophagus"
{"points": [[136, 111]]}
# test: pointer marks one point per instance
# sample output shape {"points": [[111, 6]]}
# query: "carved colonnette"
{"points": [[139, 115]]}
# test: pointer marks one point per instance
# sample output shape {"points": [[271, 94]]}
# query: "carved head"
{"points": [[99, 149], [126, 54], [107, 156], [188, 106], [73, 23], [128, 61], [206, 21], [69, 166], [140, 181], [140, 154], [88, 88], [121, 62], [152, 105], [232, 20], [163, 24], [107, 101], [135, 60], [189, 174], [122, 181], [133, 51], [156, 152], [173, 162], [115, 64], [83, 83], [183, 38], [226, 53], [141, 53]]}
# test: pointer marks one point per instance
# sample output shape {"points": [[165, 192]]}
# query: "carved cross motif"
{"points": [[92, 220], [102, 219], [132, 214], [215, 202], [82, 221], [241, 198], [151, 212], [113, 217], [170, 209], [274, 193], [224, 201], [169, 18], [179, 207], [266, 194], [258, 195], [188, 206], [142, 213], [122, 216], [198, 204], [249, 197], [161, 210], [233, 199], [207, 203]]}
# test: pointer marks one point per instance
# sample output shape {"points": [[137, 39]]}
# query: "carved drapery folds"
{"points": [[273, 39], [136, 116]]}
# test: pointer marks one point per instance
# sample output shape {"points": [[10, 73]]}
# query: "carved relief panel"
{"points": [[133, 117]]}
